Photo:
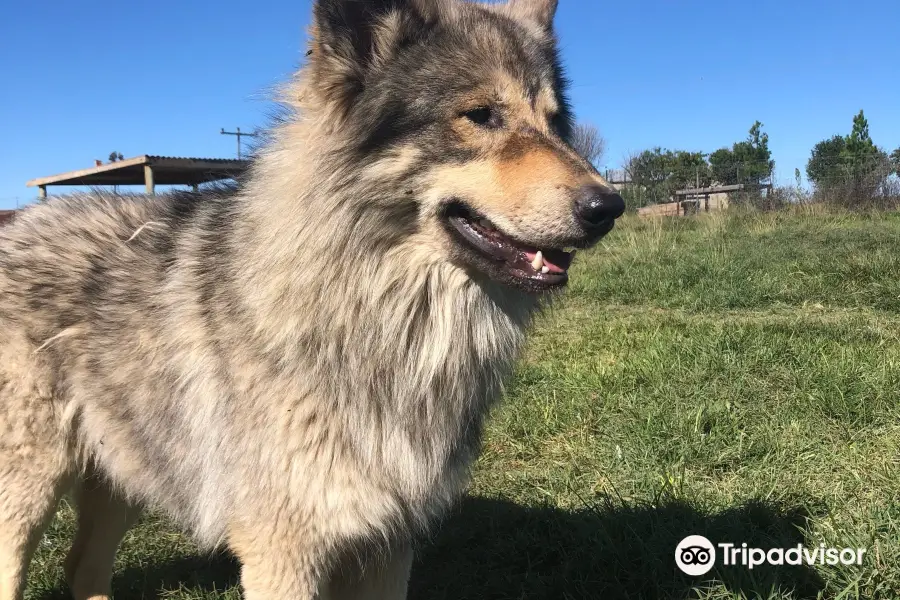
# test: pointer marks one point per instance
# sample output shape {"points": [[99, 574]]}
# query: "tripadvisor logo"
{"points": [[696, 555]]}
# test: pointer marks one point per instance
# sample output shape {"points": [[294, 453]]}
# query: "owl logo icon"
{"points": [[695, 555]]}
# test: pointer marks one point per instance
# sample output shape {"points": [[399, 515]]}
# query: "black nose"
{"points": [[597, 205]]}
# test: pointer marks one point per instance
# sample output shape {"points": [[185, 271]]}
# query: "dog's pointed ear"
{"points": [[350, 38], [538, 11]]}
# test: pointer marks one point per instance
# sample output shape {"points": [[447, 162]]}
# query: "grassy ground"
{"points": [[735, 377]]}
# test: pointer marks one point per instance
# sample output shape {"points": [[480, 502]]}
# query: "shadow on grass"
{"points": [[497, 550]]}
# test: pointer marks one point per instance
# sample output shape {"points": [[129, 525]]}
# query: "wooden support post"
{"points": [[148, 180], [42, 191]]}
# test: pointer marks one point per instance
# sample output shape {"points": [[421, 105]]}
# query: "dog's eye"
{"points": [[484, 116]]}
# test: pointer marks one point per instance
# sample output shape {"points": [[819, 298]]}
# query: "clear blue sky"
{"points": [[80, 79]]}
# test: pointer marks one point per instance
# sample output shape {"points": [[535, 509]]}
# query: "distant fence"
{"points": [[688, 184]]}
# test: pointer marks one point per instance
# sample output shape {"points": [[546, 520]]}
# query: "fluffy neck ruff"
{"points": [[351, 292]]}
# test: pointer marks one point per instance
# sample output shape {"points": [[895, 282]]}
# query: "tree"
{"points": [[862, 153], [895, 162], [824, 166], [657, 173], [649, 168], [725, 166], [689, 169], [853, 162], [587, 141], [748, 162], [115, 156]]}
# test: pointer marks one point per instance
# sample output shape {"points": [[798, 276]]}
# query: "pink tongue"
{"points": [[553, 268]]}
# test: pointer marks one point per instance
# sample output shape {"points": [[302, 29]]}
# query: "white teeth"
{"points": [[545, 270], [538, 261]]}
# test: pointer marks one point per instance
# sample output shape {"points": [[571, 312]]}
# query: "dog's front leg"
{"points": [[278, 565], [381, 577]]}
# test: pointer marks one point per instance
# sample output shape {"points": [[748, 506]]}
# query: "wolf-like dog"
{"points": [[298, 368]]}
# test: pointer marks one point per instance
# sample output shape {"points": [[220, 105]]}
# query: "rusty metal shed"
{"points": [[148, 171]]}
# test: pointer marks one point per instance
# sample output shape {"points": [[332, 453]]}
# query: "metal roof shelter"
{"points": [[696, 194], [148, 171]]}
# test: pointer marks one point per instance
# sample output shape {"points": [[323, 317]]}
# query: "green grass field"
{"points": [[732, 376]]}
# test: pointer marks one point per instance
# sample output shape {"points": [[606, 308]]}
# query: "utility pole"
{"points": [[239, 134]]}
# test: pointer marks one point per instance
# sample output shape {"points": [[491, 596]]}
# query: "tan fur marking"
{"points": [[532, 169], [546, 104], [397, 163]]}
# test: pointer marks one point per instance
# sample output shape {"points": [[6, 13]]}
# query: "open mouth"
{"points": [[504, 258]]}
